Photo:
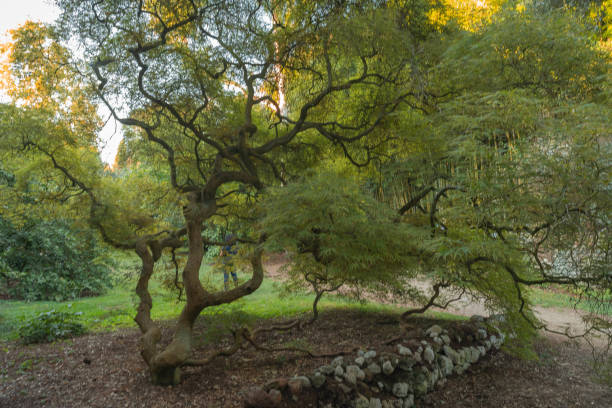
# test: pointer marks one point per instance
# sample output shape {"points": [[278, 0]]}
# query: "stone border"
{"points": [[385, 379]]}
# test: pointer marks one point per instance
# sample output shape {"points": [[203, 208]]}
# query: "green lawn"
{"points": [[548, 298], [117, 308]]}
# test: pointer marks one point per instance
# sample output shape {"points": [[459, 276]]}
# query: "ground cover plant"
{"points": [[403, 150]]}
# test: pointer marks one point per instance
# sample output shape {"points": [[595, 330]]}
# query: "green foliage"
{"points": [[338, 234], [50, 326], [49, 260]]}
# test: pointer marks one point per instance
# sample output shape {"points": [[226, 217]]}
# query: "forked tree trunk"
{"points": [[165, 365]]}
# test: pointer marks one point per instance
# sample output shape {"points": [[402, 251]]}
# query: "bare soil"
{"points": [[105, 370]]}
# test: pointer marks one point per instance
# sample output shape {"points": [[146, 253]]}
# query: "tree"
{"points": [[200, 81], [462, 136]]}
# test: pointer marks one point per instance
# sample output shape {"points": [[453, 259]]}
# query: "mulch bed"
{"points": [[106, 370]]}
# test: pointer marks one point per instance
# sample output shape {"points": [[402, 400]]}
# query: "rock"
{"points": [[360, 353], [406, 363], [318, 380], [360, 361], [445, 339], [338, 361], [434, 331], [495, 342], [387, 404], [279, 383], [477, 319], [369, 354], [375, 403], [474, 355], [303, 379], [353, 373], [388, 368], [339, 371], [446, 365], [408, 401], [345, 389], [400, 389], [403, 351], [438, 341], [452, 354], [429, 355], [481, 334], [487, 345], [420, 388], [481, 350], [276, 396], [326, 369], [374, 368], [296, 386], [257, 398], [362, 402], [417, 356]]}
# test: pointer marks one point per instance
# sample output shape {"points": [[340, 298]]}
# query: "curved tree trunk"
{"points": [[165, 365]]}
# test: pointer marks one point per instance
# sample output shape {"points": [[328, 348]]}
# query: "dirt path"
{"points": [[561, 320]]}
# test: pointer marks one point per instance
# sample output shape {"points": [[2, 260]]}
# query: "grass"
{"points": [[547, 298], [117, 308]]}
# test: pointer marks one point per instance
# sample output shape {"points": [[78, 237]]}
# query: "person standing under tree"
{"points": [[227, 253]]}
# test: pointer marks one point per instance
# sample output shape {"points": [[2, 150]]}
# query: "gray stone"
{"points": [[446, 365], [387, 404], [445, 339], [408, 401], [495, 342], [375, 403], [481, 334], [369, 354], [350, 378], [339, 371], [481, 350], [434, 331], [450, 353], [477, 319], [374, 368], [388, 368], [403, 351], [326, 369], [318, 380], [400, 389], [360, 361], [305, 381], [438, 341], [429, 355], [362, 402], [474, 355], [338, 361], [360, 353], [487, 345], [420, 388], [406, 363], [354, 373]]}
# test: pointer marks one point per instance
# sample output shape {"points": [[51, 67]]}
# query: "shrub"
{"points": [[50, 326], [50, 260]]}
